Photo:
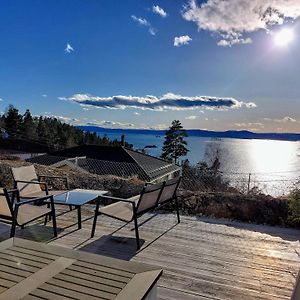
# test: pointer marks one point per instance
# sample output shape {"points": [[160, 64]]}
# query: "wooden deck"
{"points": [[201, 258]]}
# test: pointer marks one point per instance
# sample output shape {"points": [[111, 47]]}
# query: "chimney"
{"points": [[123, 140]]}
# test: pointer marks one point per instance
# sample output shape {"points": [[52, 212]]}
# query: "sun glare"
{"points": [[283, 37]]}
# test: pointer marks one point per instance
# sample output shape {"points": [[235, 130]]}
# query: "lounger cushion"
{"points": [[120, 210], [4, 209], [28, 212]]}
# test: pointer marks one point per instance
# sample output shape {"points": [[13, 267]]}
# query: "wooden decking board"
{"points": [[85, 283], [201, 260], [49, 296], [242, 279], [250, 250], [214, 262], [23, 261], [107, 270], [35, 253], [207, 248], [101, 274], [170, 294], [240, 273], [15, 271], [85, 290], [224, 291], [93, 278], [32, 297], [27, 256], [7, 283], [73, 294], [20, 266], [11, 277], [2, 289]]}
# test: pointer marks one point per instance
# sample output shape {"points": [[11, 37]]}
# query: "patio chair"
{"points": [[128, 210], [20, 213], [169, 194], [29, 183]]}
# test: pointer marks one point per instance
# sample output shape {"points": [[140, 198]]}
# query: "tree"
{"points": [[29, 126], [174, 144], [12, 121], [48, 132]]}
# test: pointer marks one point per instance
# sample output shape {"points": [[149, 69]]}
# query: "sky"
{"points": [[213, 64]]}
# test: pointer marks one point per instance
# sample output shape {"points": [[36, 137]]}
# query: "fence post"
{"points": [[249, 180]]}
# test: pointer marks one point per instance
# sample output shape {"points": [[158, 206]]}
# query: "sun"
{"points": [[284, 37]]}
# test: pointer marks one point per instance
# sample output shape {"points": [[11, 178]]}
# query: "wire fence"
{"points": [[274, 184]]}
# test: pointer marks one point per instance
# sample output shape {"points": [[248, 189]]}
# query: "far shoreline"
{"points": [[233, 134]]}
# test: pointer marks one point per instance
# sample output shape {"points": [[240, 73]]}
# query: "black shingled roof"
{"points": [[111, 160]]}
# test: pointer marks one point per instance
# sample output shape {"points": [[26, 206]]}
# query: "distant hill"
{"points": [[242, 134]]}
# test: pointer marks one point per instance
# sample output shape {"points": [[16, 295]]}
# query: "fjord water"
{"points": [[274, 165]]}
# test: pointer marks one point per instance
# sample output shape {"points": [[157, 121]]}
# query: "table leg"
{"points": [[79, 216]]}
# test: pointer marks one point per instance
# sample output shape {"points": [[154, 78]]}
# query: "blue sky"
{"points": [[141, 64]]}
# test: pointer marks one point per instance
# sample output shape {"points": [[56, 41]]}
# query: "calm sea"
{"points": [[274, 165]]}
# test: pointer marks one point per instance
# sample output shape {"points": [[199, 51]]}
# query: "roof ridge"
{"points": [[164, 167], [146, 154]]}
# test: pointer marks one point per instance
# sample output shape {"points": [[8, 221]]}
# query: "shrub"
{"points": [[294, 209]]}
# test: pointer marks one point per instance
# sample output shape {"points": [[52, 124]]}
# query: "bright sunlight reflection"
{"points": [[284, 37], [265, 153]]}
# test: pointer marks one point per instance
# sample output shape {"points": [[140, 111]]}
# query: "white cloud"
{"points": [[144, 22], [44, 96], [158, 127], [249, 124], [181, 40], [168, 101], [286, 119], [69, 48], [232, 19], [110, 124], [1, 99], [191, 118], [63, 98], [136, 113], [141, 21], [231, 42], [158, 10], [250, 105]]}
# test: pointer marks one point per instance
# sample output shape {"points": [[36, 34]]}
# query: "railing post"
{"points": [[249, 180]]}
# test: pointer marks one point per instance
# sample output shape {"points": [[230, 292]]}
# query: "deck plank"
{"points": [[202, 258]]}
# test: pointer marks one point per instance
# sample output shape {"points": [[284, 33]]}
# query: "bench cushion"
{"points": [[120, 210]]}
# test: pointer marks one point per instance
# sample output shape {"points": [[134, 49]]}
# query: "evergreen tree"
{"points": [[13, 121], [174, 144], [42, 130], [48, 132], [28, 129]]}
